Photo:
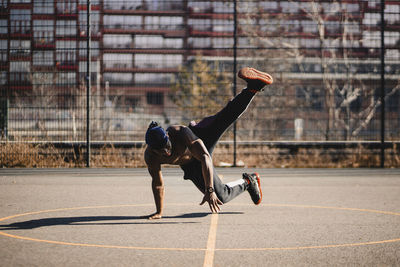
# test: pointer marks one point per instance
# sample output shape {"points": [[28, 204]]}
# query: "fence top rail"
{"points": [[277, 144]]}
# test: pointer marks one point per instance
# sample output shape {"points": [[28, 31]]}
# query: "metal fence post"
{"points": [[382, 94], [234, 74], [88, 84]]}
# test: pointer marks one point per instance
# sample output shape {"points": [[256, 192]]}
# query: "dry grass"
{"points": [[30, 156], [266, 157], [40, 156]]}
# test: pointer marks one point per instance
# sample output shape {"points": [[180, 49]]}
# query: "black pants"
{"points": [[209, 130]]}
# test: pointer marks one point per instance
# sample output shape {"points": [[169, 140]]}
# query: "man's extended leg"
{"points": [[210, 129]]}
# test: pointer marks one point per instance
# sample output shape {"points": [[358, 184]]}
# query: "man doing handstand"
{"points": [[191, 148]]}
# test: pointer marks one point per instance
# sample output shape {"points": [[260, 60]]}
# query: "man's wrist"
{"points": [[210, 189]]}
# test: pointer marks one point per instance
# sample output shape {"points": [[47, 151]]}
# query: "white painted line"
{"points": [[212, 236]]}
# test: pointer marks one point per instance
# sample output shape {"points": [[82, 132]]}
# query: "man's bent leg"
{"points": [[225, 192]]}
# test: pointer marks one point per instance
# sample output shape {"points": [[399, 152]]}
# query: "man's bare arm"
{"points": [[157, 186], [199, 151]]}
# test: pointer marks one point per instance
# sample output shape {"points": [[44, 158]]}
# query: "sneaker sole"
{"points": [[253, 74], [259, 187]]}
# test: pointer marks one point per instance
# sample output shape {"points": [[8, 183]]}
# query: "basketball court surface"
{"points": [[94, 217]]}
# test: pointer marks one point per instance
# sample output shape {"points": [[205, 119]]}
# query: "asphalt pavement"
{"points": [[94, 217]]}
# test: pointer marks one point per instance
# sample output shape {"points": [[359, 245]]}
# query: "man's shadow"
{"points": [[104, 220]]}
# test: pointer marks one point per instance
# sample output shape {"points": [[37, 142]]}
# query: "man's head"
{"points": [[157, 139]]}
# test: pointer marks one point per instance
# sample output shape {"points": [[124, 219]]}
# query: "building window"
{"points": [[157, 41], [3, 5], [19, 1], [19, 71], [200, 24], [93, 70], [152, 22], [123, 5], [122, 22], [43, 58], [269, 5], [66, 7], [159, 5], [3, 26], [20, 21], [289, 7], [120, 61], [94, 48], [158, 60], [20, 47], [155, 98], [117, 41], [222, 7], [199, 42], [222, 25], [3, 50], [66, 52], [83, 67], [371, 19], [118, 79], [93, 2], [43, 32], [163, 23], [173, 43], [43, 7], [222, 42], [309, 26], [148, 41], [66, 28], [157, 79], [3, 77], [94, 22], [199, 7]]}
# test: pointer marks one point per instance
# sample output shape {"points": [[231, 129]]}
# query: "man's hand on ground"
{"points": [[213, 201]]}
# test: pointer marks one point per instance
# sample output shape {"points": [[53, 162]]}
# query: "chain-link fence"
{"points": [[334, 101]]}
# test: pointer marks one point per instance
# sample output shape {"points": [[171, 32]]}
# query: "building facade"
{"points": [[137, 46]]}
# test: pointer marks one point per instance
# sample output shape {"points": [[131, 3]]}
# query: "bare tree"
{"points": [[349, 98], [200, 89], [343, 86]]}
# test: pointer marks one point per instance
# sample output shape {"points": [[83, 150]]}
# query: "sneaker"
{"points": [[254, 188], [255, 79]]}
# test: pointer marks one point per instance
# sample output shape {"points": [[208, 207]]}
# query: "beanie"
{"points": [[156, 137]]}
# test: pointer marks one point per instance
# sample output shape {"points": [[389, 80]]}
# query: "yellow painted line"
{"points": [[84, 244], [96, 245], [76, 208], [319, 207], [212, 237], [313, 247], [333, 208], [210, 249]]}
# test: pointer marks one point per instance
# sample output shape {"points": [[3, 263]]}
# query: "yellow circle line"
{"points": [[95, 245], [312, 247], [76, 208], [332, 208], [200, 249]]}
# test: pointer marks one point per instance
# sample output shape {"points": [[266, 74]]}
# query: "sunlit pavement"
{"points": [[94, 217]]}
